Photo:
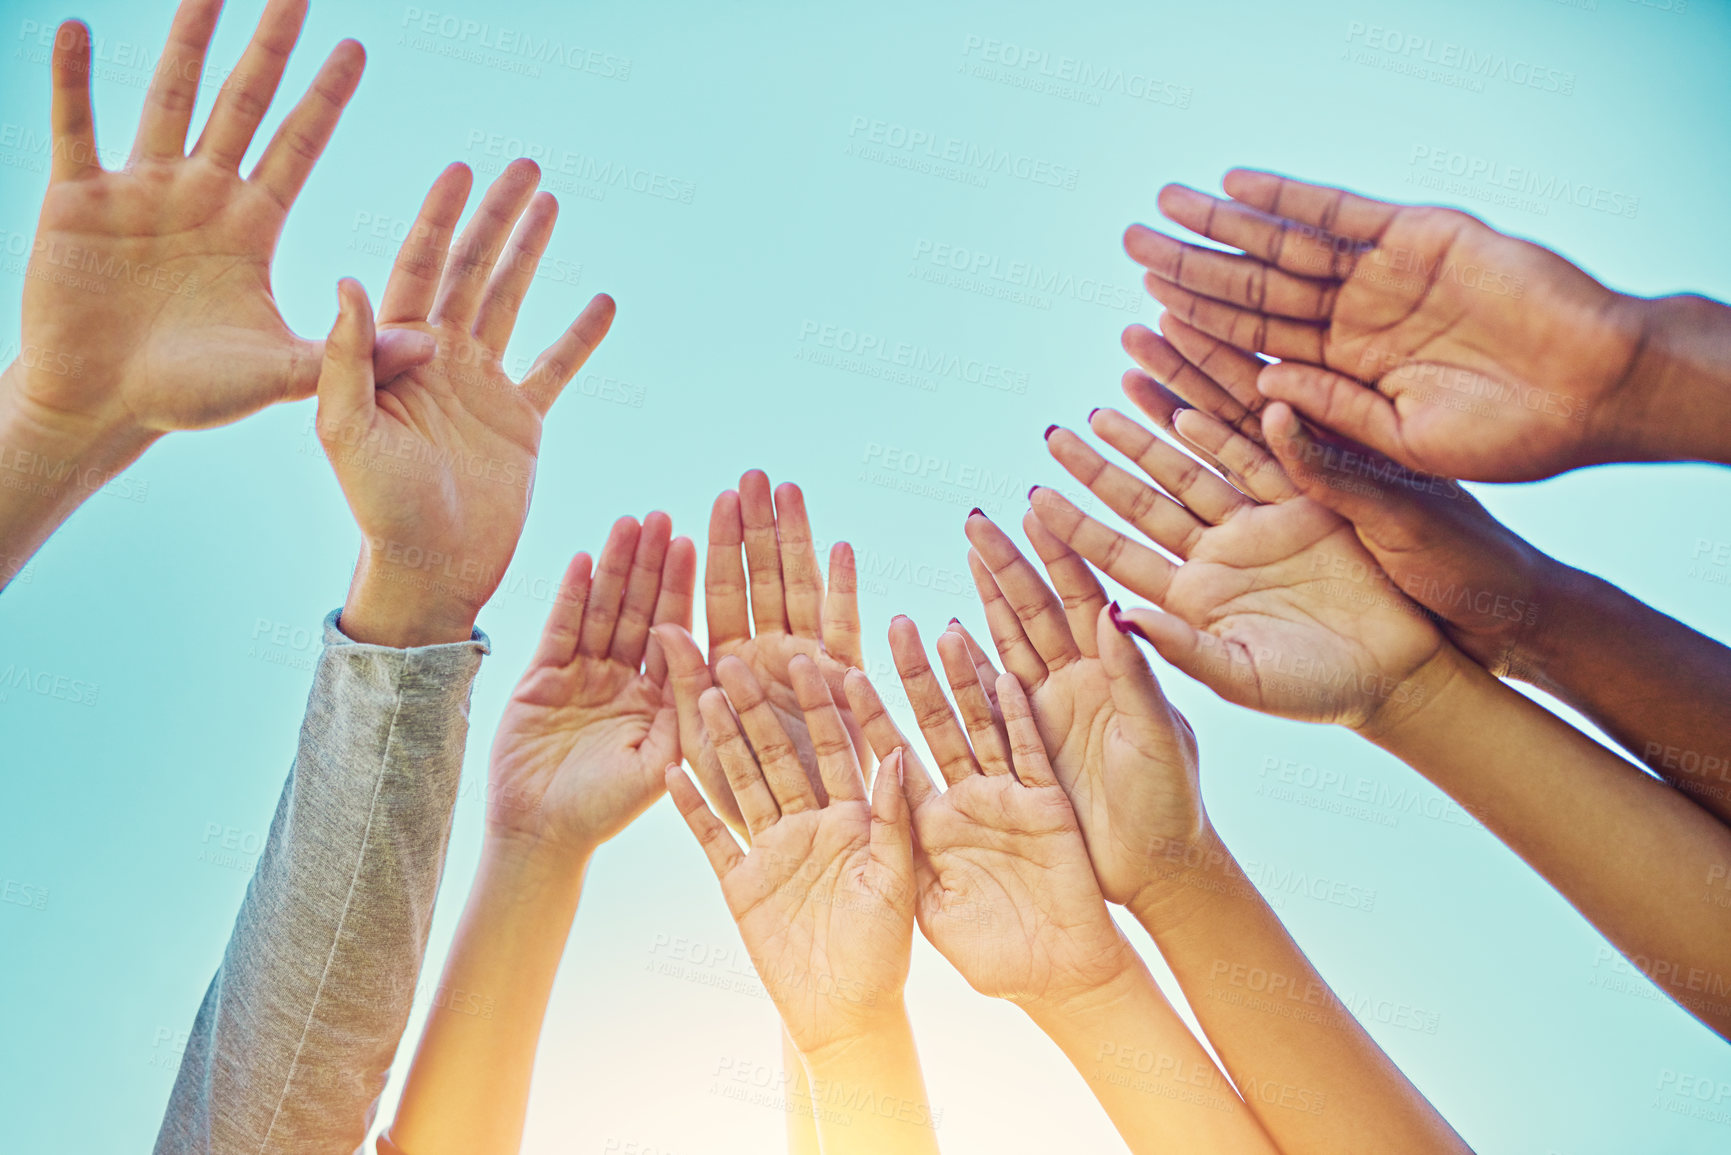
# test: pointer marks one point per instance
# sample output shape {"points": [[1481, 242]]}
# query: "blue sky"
{"points": [[784, 199]]}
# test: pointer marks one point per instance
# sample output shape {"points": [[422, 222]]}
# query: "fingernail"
{"points": [[1091, 413], [1050, 429], [1117, 616], [955, 621], [976, 512], [1031, 491]]}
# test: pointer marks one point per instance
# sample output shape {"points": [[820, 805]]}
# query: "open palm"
{"points": [[156, 278], [1129, 768], [824, 897], [1278, 607], [438, 463], [1486, 357], [585, 740]]}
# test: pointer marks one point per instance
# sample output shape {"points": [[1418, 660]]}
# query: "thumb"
{"points": [[345, 386], [1342, 404], [1202, 656], [396, 351], [892, 846], [1377, 495], [1142, 708]]}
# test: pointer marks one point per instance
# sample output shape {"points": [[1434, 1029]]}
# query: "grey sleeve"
{"points": [[293, 1043]]}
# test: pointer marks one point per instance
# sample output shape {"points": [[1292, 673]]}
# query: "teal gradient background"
{"points": [[190, 594]]}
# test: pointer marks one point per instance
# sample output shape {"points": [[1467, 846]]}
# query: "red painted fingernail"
{"points": [[1050, 429], [1091, 413], [976, 512], [1031, 490], [1125, 625]]}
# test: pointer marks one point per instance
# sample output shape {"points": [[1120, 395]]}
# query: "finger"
{"points": [[73, 122], [1027, 751], [776, 754], [558, 643], [511, 277], [561, 360], [672, 603], [1202, 656], [300, 140], [932, 713], [1143, 712], [983, 668], [718, 845], [762, 554], [246, 94], [1339, 404], [1248, 330], [724, 605], [1074, 583], [1133, 566], [345, 384], [1300, 247], [991, 747], [688, 676], [1155, 515], [612, 571], [1198, 489], [1244, 281], [841, 628], [837, 764], [1201, 491], [396, 351], [1014, 649], [1174, 382], [642, 591], [421, 260], [799, 573], [892, 839], [477, 250], [1036, 606], [1383, 500], [885, 737], [174, 87], [744, 778], [1335, 211], [1230, 368], [1251, 467]]}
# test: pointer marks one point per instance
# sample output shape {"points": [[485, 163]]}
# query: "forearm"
{"points": [[868, 1094], [294, 1041], [1659, 688], [1314, 1078], [1634, 856], [49, 466], [1679, 385], [801, 1122], [468, 1090], [1155, 1081]]}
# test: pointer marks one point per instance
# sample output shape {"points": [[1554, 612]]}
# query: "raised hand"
{"points": [[583, 745], [1006, 889], [1132, 785], [438, 463], [789, 614], [157, 276], [1491, 590], [1007, 892], [1423, 333], [1278, 606], [824, 898]]}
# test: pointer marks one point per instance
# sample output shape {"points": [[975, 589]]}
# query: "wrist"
{"points": [[1183, 878], [50, 463], [1103, 1002], [532, 872], [1565, 599], [1416, 696], [1672, 401], [885, 1028], [396, 605]]}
